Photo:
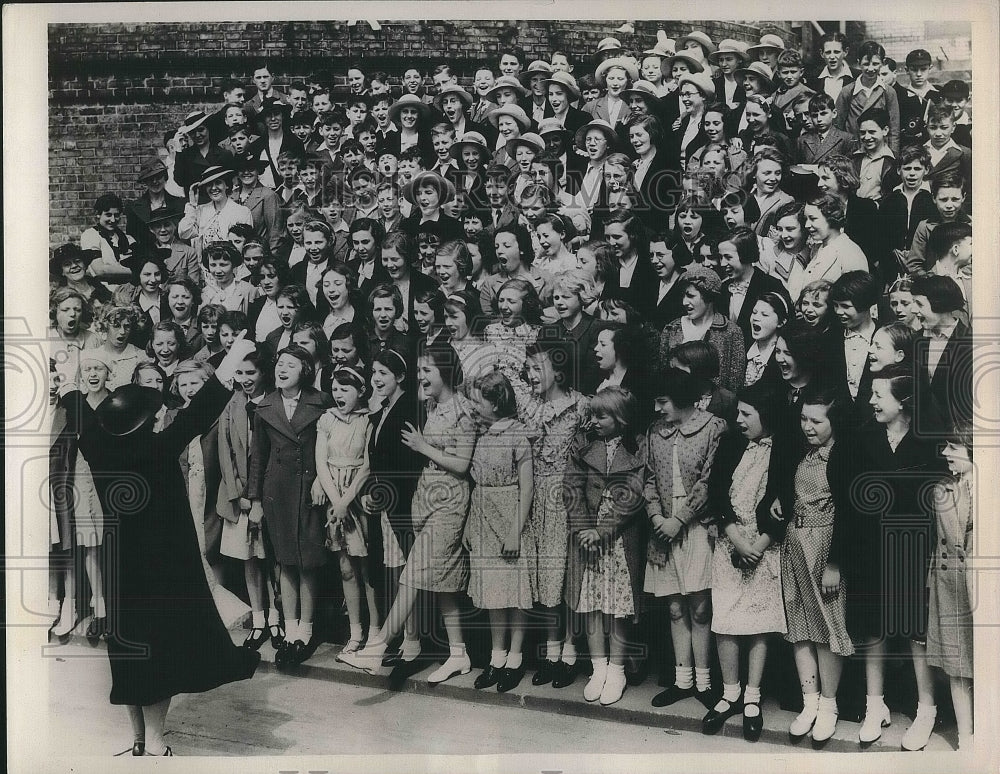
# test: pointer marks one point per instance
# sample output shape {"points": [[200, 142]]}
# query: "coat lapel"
{"points": [[272, 410], [310, 407]]}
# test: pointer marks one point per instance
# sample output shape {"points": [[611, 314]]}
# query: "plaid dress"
{"points": [[804, 555]]}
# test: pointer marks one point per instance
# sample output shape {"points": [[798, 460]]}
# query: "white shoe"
{"points": [[67, 618], [919, 733], [595, 686], [876, 718], [965, 743], [455, 665], [614, 687], [804, 720], [826, 723], [368, 659]]}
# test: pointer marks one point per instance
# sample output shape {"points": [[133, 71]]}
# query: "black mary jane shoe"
{"points": [[96, 629], [255, 639], [713, 722], [404, 670], [276, 639], [510, 678], [297, 652], [281, 654], [636, 671], [392, 660], [672, 695], [545, 673], [138, 749], [708, 698], [488, 677], [564, 675], [752, 727]]}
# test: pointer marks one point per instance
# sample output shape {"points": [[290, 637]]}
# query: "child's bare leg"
{"points": [[617, 634], [700, 605], [922, 672], [961, 697], [255, 584], [517, 624], [680, 631], [729, 657], [352, 593], [755, 661], [830, 667]]}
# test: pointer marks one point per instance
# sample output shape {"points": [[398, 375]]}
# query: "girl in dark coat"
{"points": [[282, 488], [891, 541], [165, 635]]}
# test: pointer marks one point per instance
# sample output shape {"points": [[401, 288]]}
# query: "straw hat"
{"points": [[598, 123], [626, 63], [730, 46], [693, 63], [609, 44], [514, 111], [644, 89], [193, 120], [768, 42], [506, 81], [701, 81], [532, 140], [666, 47], [552, 126], [565, 80], [538, 66], [409, 100], [214, 173], [453, 89], [760, 70], [698, 37], [472, 140]]}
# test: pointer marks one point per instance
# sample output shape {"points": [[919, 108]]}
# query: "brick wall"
{"points": [[114, 89]]}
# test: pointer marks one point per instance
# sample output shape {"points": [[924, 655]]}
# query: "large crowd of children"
{"points": [[669, 350]]}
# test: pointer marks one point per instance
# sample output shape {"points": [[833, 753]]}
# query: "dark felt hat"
{"points": [[70, 252], [128, 409]]}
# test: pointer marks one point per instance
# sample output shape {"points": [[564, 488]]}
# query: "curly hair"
{"points": [[62, 294]]}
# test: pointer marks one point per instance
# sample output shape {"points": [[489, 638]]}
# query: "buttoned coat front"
{"points": [[282, 471]]}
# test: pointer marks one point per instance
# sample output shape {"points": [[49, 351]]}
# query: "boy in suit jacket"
{"points": [[824, 139], [948, 158], [868, 92]]}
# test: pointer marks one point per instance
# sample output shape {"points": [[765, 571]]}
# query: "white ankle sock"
{"points": [[273, 619], [356, 632], [257, 619], [685, 677], [616, 669], [456, 651], [513, 661], [410, 650], [874, 702], [731, 692], [99, 609], [552, 648], [828, 704], [702, 679], [751, 695], [498, 658], [569, 653], [927, 709], [305, 631]]}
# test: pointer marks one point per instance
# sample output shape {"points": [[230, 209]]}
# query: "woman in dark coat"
{"points": [[282, 488], [165, 635]]}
